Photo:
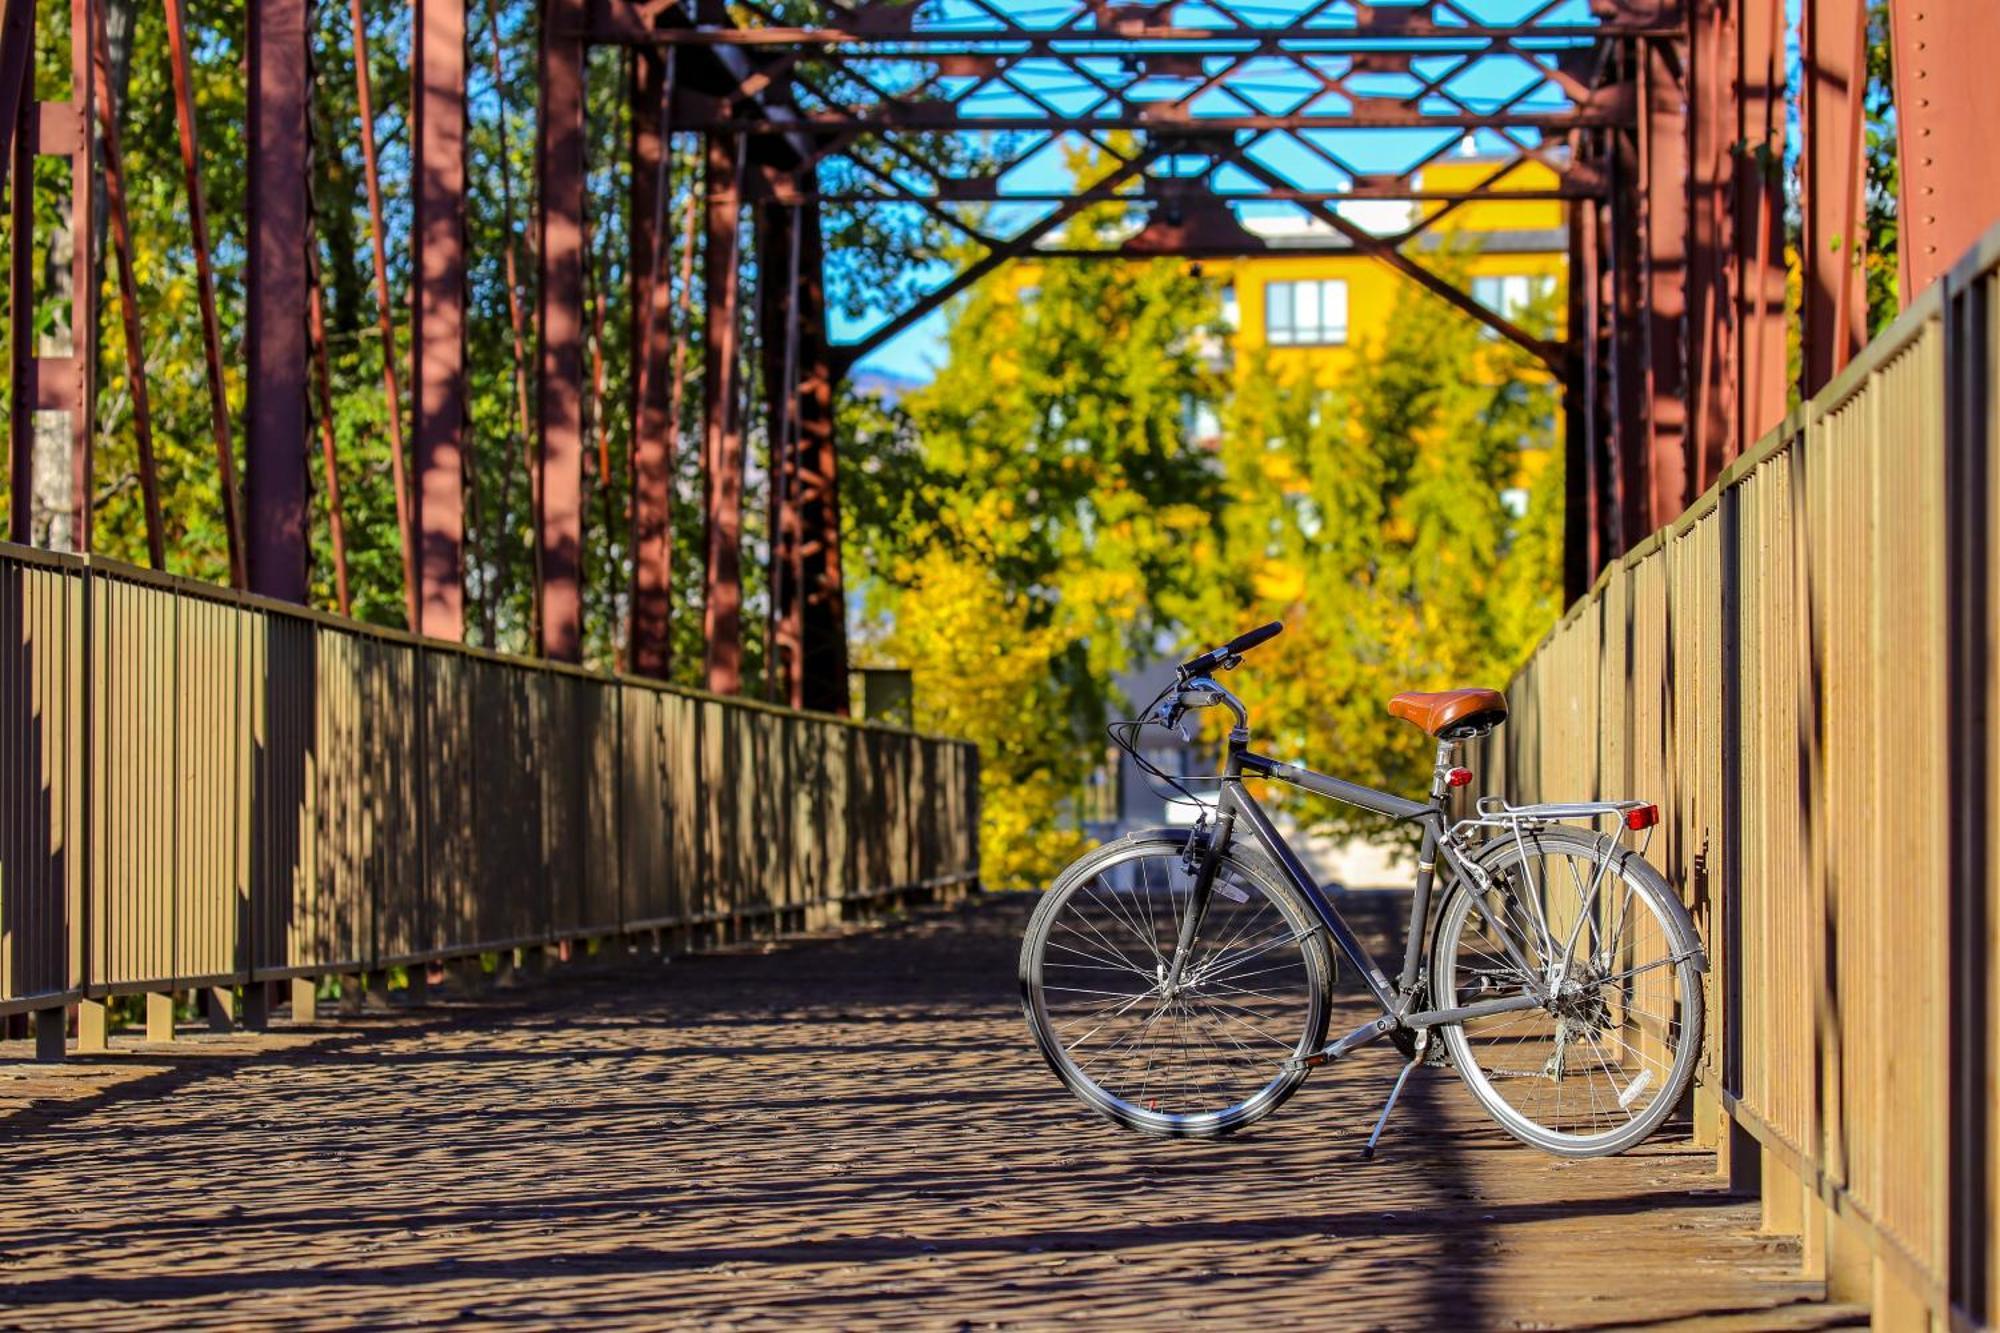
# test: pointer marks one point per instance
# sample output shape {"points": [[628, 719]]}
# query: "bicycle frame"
{"points": [[1396, 1000]]}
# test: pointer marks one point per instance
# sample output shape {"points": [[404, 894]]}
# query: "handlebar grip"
{"points": [[1242, 643], [1249, 639]]}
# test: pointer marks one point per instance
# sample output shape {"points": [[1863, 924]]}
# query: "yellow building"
{"points": [[1310, 311]]}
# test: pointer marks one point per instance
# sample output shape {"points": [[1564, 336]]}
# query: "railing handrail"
{"points": [[1801, 671], [189, 586], [211, 788]]}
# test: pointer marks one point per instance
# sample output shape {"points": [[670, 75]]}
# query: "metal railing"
{"points": [[203, 788], [1801, 671]]}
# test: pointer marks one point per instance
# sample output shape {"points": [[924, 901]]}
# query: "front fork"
{"points": [[1198, 897]]}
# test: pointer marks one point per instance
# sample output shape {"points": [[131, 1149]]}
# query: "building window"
{"points": [[1511, 294], [1305, 313]]}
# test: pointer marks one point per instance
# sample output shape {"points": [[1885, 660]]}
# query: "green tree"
{"points": [[1406, 526], [1025, 518]]}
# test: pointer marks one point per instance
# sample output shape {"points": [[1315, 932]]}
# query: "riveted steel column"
{"points": [[1833, 65], [18, 55], [1947, 103], [438, 374], [560, 329], [823, 617], [81, 396], [1760, 222], [1579, 404], [275, 352], [1712, 128], [1662, 193], [52, 382], [722, 424], [1627, 474], [777, 292], [653, 428]]}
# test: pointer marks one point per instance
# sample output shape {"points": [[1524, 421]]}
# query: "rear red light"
{"points": [[1642, 817], [1457, 777]]}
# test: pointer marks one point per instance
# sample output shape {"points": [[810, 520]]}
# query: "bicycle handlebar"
{"points": [[1226, 655]]}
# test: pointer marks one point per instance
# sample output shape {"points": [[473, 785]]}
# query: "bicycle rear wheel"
{"points": [[1607, 1060], [1209, 1057]]}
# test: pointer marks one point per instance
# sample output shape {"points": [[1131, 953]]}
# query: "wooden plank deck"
{"points": [[836, 1133]]}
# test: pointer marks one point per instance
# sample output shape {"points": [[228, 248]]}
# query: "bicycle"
{"points": [[1179, 980]]}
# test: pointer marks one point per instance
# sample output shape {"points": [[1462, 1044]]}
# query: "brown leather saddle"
{"points": [[1452, 714]]}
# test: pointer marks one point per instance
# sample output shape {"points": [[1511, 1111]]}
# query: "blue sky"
{"points": [[917, 352]]}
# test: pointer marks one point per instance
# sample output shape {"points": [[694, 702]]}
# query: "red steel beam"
{"points": [[1579, 394], [722, 423], [516, 326], [81, 399], [1947, 103], [128, 292], [1832, 65], [328, 449], [385, 320], [56, 382], [1662, 195], [560, 331], [649, 635], [275, 352], [816, 487], [1374, 31], [1760, 222], [1627, 508], [204, 268], [1714, 268], [1156, 190], [21, 286], [694, 112], [1013, 247], [21, 276], [17, 55], [778, 242], [437, 377]]}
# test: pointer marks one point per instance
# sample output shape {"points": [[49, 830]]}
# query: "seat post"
{"points": [[1445, 751]]}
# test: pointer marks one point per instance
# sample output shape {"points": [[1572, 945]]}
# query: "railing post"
{"points": [[1737, 1158], [93, 1026], [159, 1016], [1968, 488]]}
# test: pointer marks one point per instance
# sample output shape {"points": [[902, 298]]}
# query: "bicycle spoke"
{"points": [[1217, 1042], [1600, 1054]]}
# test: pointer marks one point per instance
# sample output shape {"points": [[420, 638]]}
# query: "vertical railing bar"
{"points": [[420, 802], [1729, 516], [82, 779], [173, 757]]}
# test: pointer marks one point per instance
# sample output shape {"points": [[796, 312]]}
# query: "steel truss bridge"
{"points": [[1781, 573]]}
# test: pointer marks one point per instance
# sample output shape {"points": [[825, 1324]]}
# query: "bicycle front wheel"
{"points": [[1606, 1060], [1201, 1059]]}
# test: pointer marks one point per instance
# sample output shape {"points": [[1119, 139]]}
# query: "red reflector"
{"points": [[1642, 817], [1457, 777]]}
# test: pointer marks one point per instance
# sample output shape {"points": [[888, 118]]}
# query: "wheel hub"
{"points": [[1577, 998]]}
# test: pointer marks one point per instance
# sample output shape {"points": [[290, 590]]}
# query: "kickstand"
{"points": [[1395, 1092]]}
